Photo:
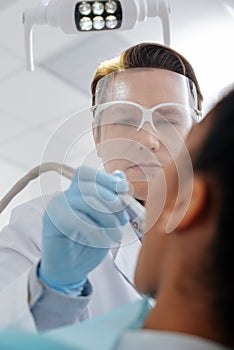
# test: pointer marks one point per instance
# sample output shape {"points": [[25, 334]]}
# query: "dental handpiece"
{"points": [[133, 207]]}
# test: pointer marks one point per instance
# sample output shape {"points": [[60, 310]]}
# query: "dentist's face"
{"points": [[141, 153]]}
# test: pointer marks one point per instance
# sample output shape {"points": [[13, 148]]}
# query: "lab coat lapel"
{"points": [[126, 257], [14, 305]]}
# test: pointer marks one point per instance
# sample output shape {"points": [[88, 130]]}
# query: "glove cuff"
{"points": [[73, 289]]}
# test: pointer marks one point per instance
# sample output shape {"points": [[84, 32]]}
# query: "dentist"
{"points": [[50, 267]]}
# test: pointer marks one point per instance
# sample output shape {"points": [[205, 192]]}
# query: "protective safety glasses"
{"points": [[130, 114], [122, 99]]}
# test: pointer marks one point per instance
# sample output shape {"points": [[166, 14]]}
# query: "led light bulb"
{"points": [[111, 22], [98, 8], [86, 23], [85, 9], [98, 22], [111, 7]]}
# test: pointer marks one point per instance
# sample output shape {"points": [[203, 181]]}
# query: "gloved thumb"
{"points": [[122, 185]]}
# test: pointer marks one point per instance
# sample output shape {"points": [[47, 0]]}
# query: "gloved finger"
{"points": [[88, 174], [63, 214], [88, 233], [107, 216], [77, 226], [103, 194], [119, 174]]}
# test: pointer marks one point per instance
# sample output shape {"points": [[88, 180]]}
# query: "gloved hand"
{"points": [[79, 227]]}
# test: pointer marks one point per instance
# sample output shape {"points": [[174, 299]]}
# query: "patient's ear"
{"points": [[96, 138], [197, 205]]}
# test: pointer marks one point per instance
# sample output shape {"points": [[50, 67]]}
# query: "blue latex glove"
{"points": [[79, 227]]}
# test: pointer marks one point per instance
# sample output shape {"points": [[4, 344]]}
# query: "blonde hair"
{"points": [[147, 55]]}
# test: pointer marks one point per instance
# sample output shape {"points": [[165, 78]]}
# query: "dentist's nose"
{"points": [[147, 138]]}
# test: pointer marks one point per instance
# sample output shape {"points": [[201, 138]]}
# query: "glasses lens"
{"points": [[177, 116], [120, 115]]}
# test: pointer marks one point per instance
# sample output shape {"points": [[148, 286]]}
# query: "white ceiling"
{"points": [[33, 105]]}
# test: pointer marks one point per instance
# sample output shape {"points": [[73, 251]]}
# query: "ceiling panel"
{"points": [[10, 65], [25, 152], [39, 97], [77, 64], [11, 128]]}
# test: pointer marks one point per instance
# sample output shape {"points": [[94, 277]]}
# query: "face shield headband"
{"points": [[136, 96]]}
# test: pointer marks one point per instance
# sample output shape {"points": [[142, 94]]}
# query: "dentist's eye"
{"points": [[166, 122]]}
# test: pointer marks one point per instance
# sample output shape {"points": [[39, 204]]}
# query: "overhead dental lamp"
{"points": [[75, 17]]}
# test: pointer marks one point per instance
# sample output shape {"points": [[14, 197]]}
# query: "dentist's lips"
{"points": [[146, 169]]}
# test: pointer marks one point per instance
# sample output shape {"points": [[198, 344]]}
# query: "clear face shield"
{"points": [[137, 97]]}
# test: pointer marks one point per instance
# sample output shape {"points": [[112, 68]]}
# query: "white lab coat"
{"points": [[20, 251]]}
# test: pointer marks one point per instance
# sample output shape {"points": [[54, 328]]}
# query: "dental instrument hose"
{"points": [[134, 208], [33, 174]]}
